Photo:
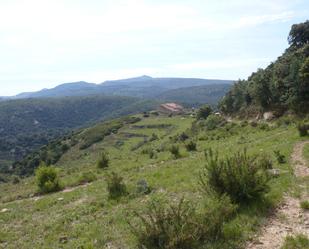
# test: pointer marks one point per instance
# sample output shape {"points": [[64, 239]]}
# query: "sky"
{"points": [[44, 43]]}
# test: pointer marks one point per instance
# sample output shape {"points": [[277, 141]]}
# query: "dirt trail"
{"points": [[289, 218], [38, 197]]}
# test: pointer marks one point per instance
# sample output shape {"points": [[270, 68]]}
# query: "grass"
{"points": [[306, 153], [297, 242], [304, 205], [88, 218]]}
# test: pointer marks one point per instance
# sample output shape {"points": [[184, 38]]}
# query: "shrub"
{"points": [[115, 186], [153, 137], [47, 179], [214, 121], [15, 180], [217, 211], [304, 205], [263, 126], [87, 177], [183, 137], [253, 123], [191, 146], [152, 154], [181, 225], [171, 227], [174, 149], [280, 157], [244, 123], [142, 187], [298, 242], [303, 129], [204, 112], [103, 162], [239, 176]]}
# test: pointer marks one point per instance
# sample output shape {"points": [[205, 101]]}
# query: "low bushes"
{"points": [[240, 176], [115, 186], [298, 242], [86, 177], [103, 161], [304, 205], [214, 121], [47, 179], [204, 112], [303, 129], [191, 146], [280, 157], [174, 149], [182, 225]]}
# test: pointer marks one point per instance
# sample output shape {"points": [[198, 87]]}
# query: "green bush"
{"points": [[263, 126], [86, 177], [103, 161], [170, 227], [191, 146], [115, 186], [174, 149], [15, 180], [181, 225], [183, 137], [298, 242], [304, 205], [303, 129], [280, 157], [204, 112], [240, 176], [47, 179], [153, 137], [214, 121]]}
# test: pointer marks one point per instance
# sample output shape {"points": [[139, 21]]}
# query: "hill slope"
{"points": [[84, 215], [27, 124], [196, 95]]}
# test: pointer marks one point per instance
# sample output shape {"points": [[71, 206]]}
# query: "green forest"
{"points": [[282, 86]]}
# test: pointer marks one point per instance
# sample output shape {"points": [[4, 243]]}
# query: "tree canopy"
{"points": [[299, 34], [282, 86]]}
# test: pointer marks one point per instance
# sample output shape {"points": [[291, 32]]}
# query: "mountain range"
{"points": [[142, 87]]}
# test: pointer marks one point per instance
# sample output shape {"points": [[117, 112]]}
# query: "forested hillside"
{"points": [[282, 86], [196, 95], [27, 124]]}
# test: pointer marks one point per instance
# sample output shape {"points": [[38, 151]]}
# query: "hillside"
{"points": [[31, 120], [196, 95], [27, 124], [139, 150], [142, 87], [283, 86]]}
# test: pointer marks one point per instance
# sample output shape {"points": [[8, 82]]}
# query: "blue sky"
{"points": [[45, 43]]}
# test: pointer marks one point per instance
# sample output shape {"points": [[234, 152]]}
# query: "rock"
{"points": [[274, 172], [63, 239], [4, 210], [143, 187], [268, 116]]}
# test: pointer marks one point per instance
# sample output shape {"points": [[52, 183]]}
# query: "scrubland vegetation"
{"points": [[179, 198]]}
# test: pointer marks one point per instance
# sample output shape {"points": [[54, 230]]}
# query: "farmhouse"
{"points": [[171, 108]]}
